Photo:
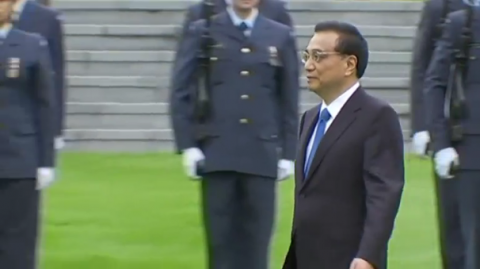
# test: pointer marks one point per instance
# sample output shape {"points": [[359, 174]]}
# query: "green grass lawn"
{"points": [[139, 211]]}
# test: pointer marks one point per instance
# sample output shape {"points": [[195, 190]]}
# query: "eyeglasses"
{"points": [[317, 56]]}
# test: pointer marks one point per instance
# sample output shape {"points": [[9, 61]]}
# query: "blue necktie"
{"points": [[243, 27], [321, 125]]}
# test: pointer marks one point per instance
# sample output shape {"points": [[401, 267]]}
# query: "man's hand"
{"points": [[445, 160], [191, 158], [420, 141], [45, 177], [286, 168], [358, 263], [59, 143]]}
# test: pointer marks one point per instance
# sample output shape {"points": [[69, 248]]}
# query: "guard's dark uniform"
{"points": [[26, 142], [428, 33], [273, 9], [254, 91], [39, 19], [467, 193]]}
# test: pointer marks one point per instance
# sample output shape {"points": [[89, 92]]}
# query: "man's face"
{"points": [[6, 7], [324, 67], [245, 4]]}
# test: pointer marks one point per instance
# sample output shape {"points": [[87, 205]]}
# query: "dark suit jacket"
{"points": [[346, 206], [47, 22]]}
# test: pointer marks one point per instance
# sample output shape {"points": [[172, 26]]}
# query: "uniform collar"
{"points": [[250, 21], [18, 8], [5, 30]]}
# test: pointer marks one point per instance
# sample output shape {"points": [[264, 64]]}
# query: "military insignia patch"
{"points": [[273, 58], [13, 68]]}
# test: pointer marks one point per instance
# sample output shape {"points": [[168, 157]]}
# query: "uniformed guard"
{"points": [[26, 139], [429, 31], [254, 89], [453, 120], [33, 17], [273, 9]]}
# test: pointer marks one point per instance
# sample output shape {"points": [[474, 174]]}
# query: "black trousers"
{"points": [[450, 232], [238, 214], [461, 220], [19, 210]]}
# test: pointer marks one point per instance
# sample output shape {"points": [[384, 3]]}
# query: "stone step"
{"points": [[148, 116], [159, 63], [163, 37], [148, 95], [374, 83], [302, 12]]}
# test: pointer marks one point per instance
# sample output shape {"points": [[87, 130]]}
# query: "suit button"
{"points": [[243, 121], [244, 97], [213, 59], [246, 50], [244, 73]]}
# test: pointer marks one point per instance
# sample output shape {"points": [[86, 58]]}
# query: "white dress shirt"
{"points": [[334, 108]]}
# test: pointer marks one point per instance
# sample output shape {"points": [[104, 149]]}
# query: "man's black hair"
{"points": [[350, 42]]}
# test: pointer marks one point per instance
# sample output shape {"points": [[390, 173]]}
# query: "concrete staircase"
{"points": [[120, 52]]}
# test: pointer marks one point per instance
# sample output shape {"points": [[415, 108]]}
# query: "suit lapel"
{"points": [[260, 29], [309, 124], [344, 119]]}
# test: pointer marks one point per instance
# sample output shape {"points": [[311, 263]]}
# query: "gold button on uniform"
{"points": [[244, 73], [246, 50], [243, 121], [244, 97]]}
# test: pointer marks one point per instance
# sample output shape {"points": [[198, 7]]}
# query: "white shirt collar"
{"points": [[337, 104], [250, 21]]}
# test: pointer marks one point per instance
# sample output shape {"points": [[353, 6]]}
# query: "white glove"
{"points": [[444, 160], [420, 142], [286, 168], [45, 177], [191, 157], [59, 143]]}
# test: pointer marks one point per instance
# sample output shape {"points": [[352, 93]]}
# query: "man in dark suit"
{"points": [[32, 17], [429, 31], [349, 171], [26, 139], [254, 91]]}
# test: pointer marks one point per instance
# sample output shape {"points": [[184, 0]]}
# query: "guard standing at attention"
{"points": [[429, 30], [453, 120], [32, 17], [26, 139], [248, 141], [273, 9]]}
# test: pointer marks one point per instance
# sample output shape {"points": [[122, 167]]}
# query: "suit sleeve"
{"points": [[384, 177], [437, 80], [190, 17], [44, 98], [184, 88], [288, 97], [57, 52], [421, 56]]}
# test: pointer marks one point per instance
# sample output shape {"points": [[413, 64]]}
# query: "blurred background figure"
{"points": [[432, 21], [32, 17], [26, 139], [251, 79]]}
